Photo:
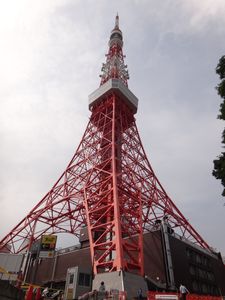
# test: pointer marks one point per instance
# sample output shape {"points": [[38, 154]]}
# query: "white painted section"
{"points": [[70, 289], [115, 85]]}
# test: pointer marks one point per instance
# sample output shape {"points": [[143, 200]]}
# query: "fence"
{"points": [[176, 296], [95, 295]]}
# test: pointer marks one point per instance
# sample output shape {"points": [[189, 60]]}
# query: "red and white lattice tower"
{"points": [[109, 185]]}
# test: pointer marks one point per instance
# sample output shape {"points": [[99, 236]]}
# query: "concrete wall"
{"points": [[121, 281], [11, 263]]}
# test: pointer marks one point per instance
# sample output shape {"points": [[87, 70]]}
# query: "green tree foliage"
{"points": [[219, 163]]}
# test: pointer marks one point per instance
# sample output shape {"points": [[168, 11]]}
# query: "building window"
{"points": [[201, 273], [195, 286], [204, 288], [71, 278], [192, 270], [210, 276], [205, 261], [198, 258], [84, 279]]}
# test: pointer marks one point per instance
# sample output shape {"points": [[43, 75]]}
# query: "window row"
{"points": [[203, 274], [198, 258], [204, 288]]}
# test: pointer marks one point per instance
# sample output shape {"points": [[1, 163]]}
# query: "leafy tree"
{"points": [[219, 163]]}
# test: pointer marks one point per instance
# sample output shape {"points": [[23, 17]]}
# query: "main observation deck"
{"points": [[116, 86]]}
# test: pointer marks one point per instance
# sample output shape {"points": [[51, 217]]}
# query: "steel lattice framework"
{"points": [[109, 185]]}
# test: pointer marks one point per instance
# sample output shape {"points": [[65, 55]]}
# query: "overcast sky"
{"points": [[51, 53]]}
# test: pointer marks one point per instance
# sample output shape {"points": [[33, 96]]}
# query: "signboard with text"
{"points": [[48, 242], [46, 254], [47, 247]]}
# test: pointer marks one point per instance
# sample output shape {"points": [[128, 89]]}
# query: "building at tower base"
{"points": [[201, 271]]}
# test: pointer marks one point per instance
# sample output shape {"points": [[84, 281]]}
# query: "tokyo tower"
{"points": [[109, 185]]}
